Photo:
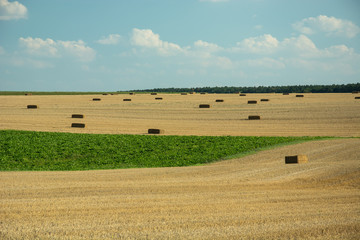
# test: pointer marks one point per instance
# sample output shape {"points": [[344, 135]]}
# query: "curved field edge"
{"points": [[53, 151]]}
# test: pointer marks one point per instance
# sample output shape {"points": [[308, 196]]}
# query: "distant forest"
{"points": [[334, 88]]}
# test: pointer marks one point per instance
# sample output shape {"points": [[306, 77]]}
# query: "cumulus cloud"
{"points": [[12, 10], [206, 46], [147, 39], [262, 45], [112, 39], [51, 48], [330, 25]]}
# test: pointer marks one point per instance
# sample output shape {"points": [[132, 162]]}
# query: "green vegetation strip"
{"points": [[35, 151]]}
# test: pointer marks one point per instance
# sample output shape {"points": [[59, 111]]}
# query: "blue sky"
{"points": [[111, 45]]}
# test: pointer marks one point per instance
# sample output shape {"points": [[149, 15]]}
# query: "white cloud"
{"points": [[264, 44], [12, 10], [265, 63], [51, 48], [330, 25], [206, 46], [112, 39], [146, 38]]}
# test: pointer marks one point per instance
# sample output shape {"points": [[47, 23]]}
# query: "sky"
{"points": [[119, 45]]}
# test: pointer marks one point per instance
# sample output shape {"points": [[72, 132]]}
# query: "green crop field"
{"points": [[25, 150]]}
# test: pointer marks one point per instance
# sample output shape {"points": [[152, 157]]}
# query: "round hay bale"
{"points": [[299, 95], [96, 99], [296, 159], [242, 94], [32, 106], [155, 131], [153, 93], [252, 102], [264, 100], [159, 98], [254, 117], [78, 125], [127, 99], [219, 100], [77, 116], [204, 106]]}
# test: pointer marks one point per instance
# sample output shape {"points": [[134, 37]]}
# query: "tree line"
{"points": [[334, 88]]}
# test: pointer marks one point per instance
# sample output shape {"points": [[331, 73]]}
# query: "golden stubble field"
{"points": [[255, 197], [282, 115]]}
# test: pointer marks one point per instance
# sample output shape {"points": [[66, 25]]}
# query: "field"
{"points": [[253, 197]]}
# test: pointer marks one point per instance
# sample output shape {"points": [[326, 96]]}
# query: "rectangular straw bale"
{"points": [[242, 94], [296, 159], [184, 93], [202, 93], [254, 117], [299, 95], [264, 100], [153, 93], [286, 93], [96, 99], [204, 106], [252, 102], [155, 131], [77, 116], [127, 100], [78, 125], [32, 106], [219, 100], [158, 98], [357, 97], [131, 93]]}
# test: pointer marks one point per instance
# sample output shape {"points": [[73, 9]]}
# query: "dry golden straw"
{"points": [[32, 106], [296, 159], [78, 125], [77, 116], [155, 131]]}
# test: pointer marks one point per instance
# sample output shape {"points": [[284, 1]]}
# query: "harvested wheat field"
{"points": [[283, 115], [255, 197]]}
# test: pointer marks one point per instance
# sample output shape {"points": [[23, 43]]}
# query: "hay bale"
{"points": [[203, 93], [77, 116], [252, 102], [355, 92], [158, 98], [78, 125], [153, 93], [299, 95], [32, 106], [254, 117], [127, 99], [204, 106], [219, 100], [296, 159], [184, 93], [357, 97], [286, 93], [264, 100], [242, 94], [105, 94], [96, 99], [28, 94], [155, 131]]}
